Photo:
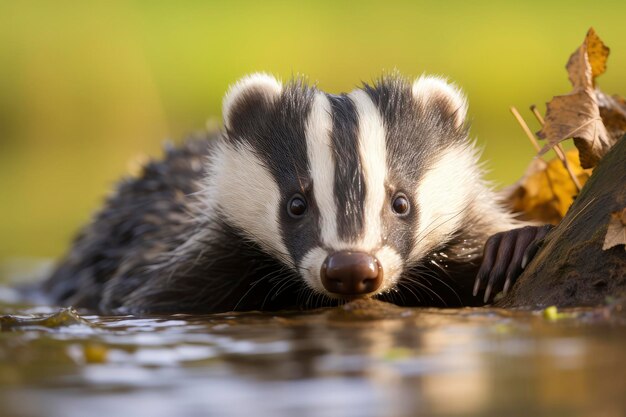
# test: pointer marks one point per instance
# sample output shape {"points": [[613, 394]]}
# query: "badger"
{"points": [[305, 199]]}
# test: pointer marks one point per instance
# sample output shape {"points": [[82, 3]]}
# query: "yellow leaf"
{"points": [[597, 53], [546, 191]]}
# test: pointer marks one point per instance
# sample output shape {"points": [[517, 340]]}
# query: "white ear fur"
{"points": [[436, 90], [257, 83]]}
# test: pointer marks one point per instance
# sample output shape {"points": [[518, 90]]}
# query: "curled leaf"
{"points": [[577, 114]]}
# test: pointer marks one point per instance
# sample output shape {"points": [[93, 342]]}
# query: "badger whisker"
{"points": [[416, 281], [282, 282], [430, 274], [409, 289]]}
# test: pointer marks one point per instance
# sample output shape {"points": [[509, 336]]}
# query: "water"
{"points": [[361, 360]]}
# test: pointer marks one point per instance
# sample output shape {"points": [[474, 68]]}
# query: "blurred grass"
{"points": [[86, 87]]}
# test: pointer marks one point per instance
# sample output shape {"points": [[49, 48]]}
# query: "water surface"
{"points": [[360, 360]]}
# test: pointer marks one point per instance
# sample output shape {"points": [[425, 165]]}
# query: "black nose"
{"points": [[351, 273]]}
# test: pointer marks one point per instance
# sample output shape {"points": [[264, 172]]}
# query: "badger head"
{"points": [[349, 191]]}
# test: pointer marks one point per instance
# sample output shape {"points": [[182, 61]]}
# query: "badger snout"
{"points": [[351, 273]]}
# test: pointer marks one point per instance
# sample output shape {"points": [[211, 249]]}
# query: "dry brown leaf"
{"points": [[616, 232], [546, 191], [577, 114]]}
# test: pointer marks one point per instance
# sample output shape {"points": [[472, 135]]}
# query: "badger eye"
{"points": [[296, 207], [400, 204]]}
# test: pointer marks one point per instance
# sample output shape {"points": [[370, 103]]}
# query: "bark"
{"points": [[571, 269]]}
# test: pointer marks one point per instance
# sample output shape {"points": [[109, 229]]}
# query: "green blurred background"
{"points": [[87, 88]]}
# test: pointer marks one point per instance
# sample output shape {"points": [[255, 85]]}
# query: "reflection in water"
{"points": [[372, 361]]}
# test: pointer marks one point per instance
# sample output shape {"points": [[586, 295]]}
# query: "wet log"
{"points": [[571, 269]]}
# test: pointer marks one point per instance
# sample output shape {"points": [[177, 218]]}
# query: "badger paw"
{"points": [[505, 255]]}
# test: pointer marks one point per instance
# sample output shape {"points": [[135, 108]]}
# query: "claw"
{"points": [[476, 286], [507, 285], [487, 293], [489, 256], [505, 255]]}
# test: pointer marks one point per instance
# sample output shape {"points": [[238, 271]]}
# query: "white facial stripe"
{"points": [[392, 267], [247, 197], [322, 167], [310, 269], [441, 203], [373, 152]]}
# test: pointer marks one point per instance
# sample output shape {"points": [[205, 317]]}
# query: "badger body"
{"points": [[304, 199]]}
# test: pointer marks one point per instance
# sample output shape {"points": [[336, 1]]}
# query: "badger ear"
{"points": [[252, 95], [445, 98]]}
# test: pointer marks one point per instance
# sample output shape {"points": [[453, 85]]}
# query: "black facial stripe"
{"points": [[349, 186], [415, 134], [277, 133], [290, 167], [406, 155], [406, 147]]}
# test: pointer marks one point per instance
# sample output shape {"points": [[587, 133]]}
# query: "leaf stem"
{"points": [[558, 149], [525, 128]]}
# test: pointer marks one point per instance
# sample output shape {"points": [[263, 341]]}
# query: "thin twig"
{"points": [[533, 140], [558, 149], [525, 128], [538, 115]]}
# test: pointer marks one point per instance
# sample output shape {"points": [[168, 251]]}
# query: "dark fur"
{"points": [[348, 170], [142, 220]]}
